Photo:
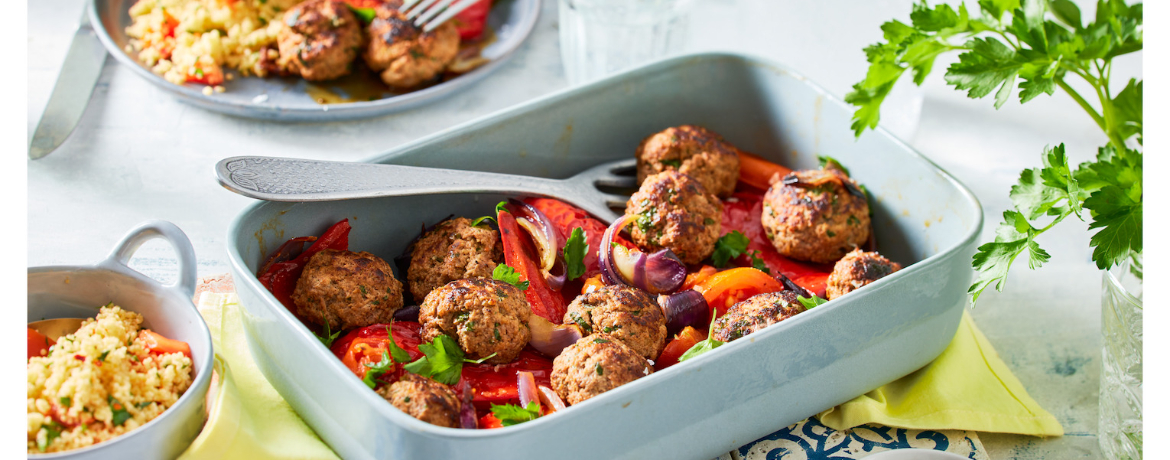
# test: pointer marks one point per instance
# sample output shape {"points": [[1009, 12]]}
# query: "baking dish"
{"points": [[80, 291], [699, 409]]}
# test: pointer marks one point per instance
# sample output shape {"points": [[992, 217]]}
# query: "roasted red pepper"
{"points": [[742, 213], [496, 384], [38, 344], [471, 21], [366, 345], [545, 302], [682, 342], [280, 276]]}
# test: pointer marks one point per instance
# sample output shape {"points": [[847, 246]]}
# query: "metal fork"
{"points": [[297, 180], [430, 14]]}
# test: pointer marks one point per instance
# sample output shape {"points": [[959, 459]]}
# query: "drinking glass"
{"points": [[1120, 406], [600, 37]]}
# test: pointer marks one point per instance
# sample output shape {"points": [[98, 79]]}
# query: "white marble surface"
{"points": [[138, 154]]}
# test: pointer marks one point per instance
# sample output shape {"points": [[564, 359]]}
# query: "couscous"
{"points": [[106, 379]]}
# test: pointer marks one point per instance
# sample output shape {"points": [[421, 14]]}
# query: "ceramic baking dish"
{"points": [[701, 408]]}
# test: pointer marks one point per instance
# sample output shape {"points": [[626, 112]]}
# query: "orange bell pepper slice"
{"points": [[682, 342], [728, 287], [758, 172], [156, 343]]}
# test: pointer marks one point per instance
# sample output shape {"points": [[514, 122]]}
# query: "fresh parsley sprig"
{"points": [[729, 246], [511, 414], [574, 252], [507, 274], [1014, 40], [442, 361]]}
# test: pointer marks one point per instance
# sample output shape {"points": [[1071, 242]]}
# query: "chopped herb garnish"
{"points": [[362, 288], [599, 340], [585, 327], [365, 15], [102, 357], [729, 246], [809, 303], [508, 275], [707, 345], [121, 415], [496, 332], [442, 361], [377, 370], [501, 207], [480, 220], [143, 404], [574, 252], [66, 401], [672, 163], [52, 432], [600, 371], [511, 414], [708, 221], [406, 399]]}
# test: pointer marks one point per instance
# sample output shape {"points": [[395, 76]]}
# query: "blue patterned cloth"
{"points": [[809, 440]]}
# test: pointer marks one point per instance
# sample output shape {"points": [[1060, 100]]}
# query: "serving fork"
{"points": [[297, 180], [430, 14]]}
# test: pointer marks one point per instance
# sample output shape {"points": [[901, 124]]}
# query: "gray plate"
{"points": [[287, 99], [704, 407]]}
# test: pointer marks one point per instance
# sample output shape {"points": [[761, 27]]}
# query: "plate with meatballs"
{"points": [[744, 285], [308, 60]]}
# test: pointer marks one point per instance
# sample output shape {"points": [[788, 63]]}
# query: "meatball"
{"points": [[594, 365], [755, 313], [424, 399], [857, 269], [451, 251], [485, 316], [674, 211], [403, 54], [694, 151], [816, 215], [628, 314], [319, 39], [346, 289]]}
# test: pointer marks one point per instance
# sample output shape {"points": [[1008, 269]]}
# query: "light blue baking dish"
{"points": [[924, 218]]}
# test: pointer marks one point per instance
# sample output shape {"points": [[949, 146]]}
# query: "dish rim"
{"points": [[419, 427], [348, 110]]}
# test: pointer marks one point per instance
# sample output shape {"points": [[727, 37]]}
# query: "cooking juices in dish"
{"points": [[194, 41], [552, 307], [106, 379]]}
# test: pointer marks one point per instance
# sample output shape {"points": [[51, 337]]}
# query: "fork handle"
{"points": [[297, 180]]}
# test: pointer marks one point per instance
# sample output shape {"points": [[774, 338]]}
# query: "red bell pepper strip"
{"points": [[743, 213], [682, 342], [496, 384], [280, 277], [38, 344], [545, 302], [490, 421], [366, 346], [471, 21]]}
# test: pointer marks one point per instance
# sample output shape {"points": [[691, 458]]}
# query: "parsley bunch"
{"points": [[1040, 43]]}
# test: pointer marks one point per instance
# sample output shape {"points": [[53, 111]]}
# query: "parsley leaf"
{"points": [[810, 302], [706, 345], [480, 220], [501, 207], [758, 263], [830, 162], [729, 246], [1127, 110], [574, 252], [365, 15], [329, 336], [400, 355], [511, 414], [508, 275], [120, 414], [442, 361], [377, 370], [1014, 237]]}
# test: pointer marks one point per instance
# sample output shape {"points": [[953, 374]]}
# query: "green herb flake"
{"points": [[66, 401], [810, 302], [828, 162], [758, 263], [52, 432], [600, 371], [120, 414], [102, 357], [708, 221], [442, 360], [673, 163], [507, 274], [480, 220], [511, 414], [729, 246], [574, 254], [328, 337], [600, 340]]}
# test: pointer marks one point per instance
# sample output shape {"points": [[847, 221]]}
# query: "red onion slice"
{"points": [[526, 387], [549, 338], [545, 238], [686, 308], [407, 313], [659, 273], [467, 418], [551, 400]]}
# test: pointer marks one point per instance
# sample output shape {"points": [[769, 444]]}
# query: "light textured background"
{"points": [[138, 154]]}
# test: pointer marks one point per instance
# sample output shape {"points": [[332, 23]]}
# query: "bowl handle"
{"points": [[146, 231]]}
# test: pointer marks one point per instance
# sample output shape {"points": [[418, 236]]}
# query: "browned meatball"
{"points": [[694, 151], [424, 399], [628, 314], [319, 39], [857, 269], [485, 316], [404, 55], [674, 211], [594, 365], [816, 215], [347, 289], [755, 313], [451, 251]]}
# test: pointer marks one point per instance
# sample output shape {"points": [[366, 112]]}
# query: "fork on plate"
{"points": [[430, 14]]}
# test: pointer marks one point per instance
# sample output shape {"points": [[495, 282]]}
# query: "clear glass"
{"points": [[600, 37], [1120, 425]]}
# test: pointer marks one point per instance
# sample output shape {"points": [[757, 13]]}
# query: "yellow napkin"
{"points": [[966, 388], [249, 419]]}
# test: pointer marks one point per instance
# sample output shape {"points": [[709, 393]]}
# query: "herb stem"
{"points": [[1082, 102]]}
